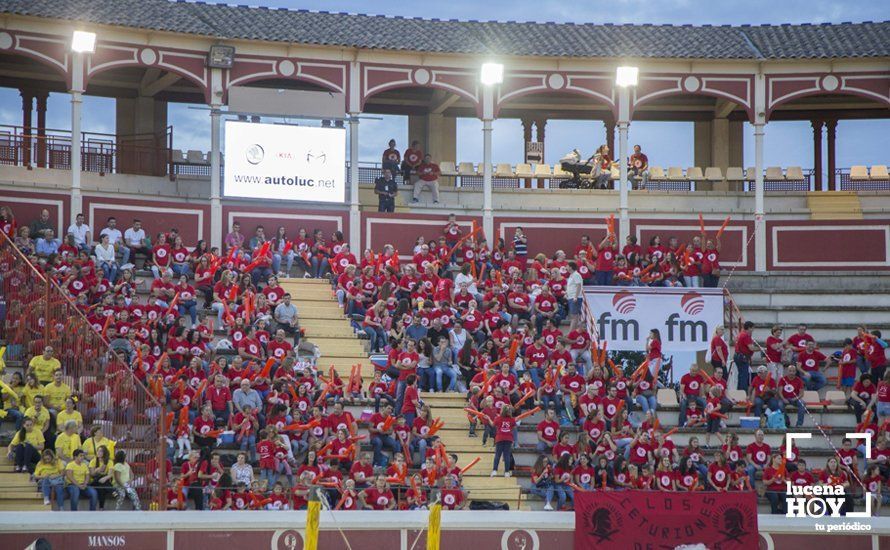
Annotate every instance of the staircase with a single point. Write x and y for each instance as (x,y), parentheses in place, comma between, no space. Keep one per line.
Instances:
(834,205)
(449,407)
(325,326)
(16,492)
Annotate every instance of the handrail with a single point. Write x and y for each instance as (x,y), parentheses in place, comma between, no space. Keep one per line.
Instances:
(59,322)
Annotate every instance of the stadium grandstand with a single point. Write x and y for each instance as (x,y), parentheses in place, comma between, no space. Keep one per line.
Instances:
(273,342)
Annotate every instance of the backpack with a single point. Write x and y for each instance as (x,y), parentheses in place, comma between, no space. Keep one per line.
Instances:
(775,420)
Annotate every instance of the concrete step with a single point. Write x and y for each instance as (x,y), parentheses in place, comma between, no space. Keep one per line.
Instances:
(15,506)
(829,281)
(324,311)
(313,333)
(840,299)
(793,315)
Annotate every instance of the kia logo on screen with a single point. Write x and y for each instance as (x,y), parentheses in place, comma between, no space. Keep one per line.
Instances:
(255,153)
(316,157)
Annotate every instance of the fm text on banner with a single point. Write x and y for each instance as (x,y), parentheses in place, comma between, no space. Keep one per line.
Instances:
(285,162)
(656,519)
(686,318)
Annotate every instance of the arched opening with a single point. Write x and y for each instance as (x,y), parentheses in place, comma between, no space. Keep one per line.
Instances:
(841,128)
(141,140)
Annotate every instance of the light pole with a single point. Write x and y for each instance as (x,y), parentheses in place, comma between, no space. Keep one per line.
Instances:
(625,77)
(82,42)
(491,75)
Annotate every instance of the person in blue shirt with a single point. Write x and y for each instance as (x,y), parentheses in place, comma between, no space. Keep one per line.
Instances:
(48,245)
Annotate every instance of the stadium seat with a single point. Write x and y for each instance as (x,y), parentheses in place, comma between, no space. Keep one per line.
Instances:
(614,173)
(794,173)
(750,173)
(542,171)
(675,173)
(858,173)
(503,170)
(558,172)
(656,173)
(714,173)
(524,171)
(879,172)
(737,395)
(836,397)
(694,173)
(734,173)
(810,397)
(196,157)
(177,155)
(466,169)
(446,167)
(667,398)
(774,173)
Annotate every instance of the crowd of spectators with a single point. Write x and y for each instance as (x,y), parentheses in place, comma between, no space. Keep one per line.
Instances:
(504,328)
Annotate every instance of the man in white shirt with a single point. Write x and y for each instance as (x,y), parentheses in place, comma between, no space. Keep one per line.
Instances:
(82,233)
(574,290)
(135,243)
(114,234)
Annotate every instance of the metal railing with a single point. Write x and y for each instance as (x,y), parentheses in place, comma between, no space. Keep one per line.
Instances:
(144,154)
(845,183)
(40,313)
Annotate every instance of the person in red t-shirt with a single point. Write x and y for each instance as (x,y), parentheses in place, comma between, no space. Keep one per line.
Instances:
(605,261)
(791,391)
(379,496)
(719,350)
(428,176)
(691,389)
(744,349)
(774,481)
(504,427)
(452,496)
(809,364)
(757,455)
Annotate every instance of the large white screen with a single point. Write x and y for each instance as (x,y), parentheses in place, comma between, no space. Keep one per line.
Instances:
(272,161)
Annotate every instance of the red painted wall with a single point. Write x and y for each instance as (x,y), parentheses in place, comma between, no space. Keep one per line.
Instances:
(26,209)
(547,235)
(402,230)
(270,217)
(191,219)
(828,245)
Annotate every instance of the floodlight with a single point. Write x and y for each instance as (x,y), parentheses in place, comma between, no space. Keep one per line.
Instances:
(492,73)
(627,76)
(83,42)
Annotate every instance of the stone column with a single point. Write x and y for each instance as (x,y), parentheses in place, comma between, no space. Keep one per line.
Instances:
(41,128)
(27,138)
(817,152)
(831,125)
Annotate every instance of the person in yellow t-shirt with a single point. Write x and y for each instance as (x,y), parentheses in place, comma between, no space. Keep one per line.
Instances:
(31,388)
(50,476)
(67,442)
(26,446)
(44,365)
(77,473)
(56,392)
(97,439)
(11,401)
(69,414)
(39,413)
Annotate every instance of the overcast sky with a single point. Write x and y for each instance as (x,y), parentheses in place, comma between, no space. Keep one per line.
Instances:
(667,143)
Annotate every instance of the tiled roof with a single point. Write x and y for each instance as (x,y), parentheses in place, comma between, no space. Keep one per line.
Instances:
(842,40)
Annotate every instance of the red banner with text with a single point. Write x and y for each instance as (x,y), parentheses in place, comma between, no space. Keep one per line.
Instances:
(652,519)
